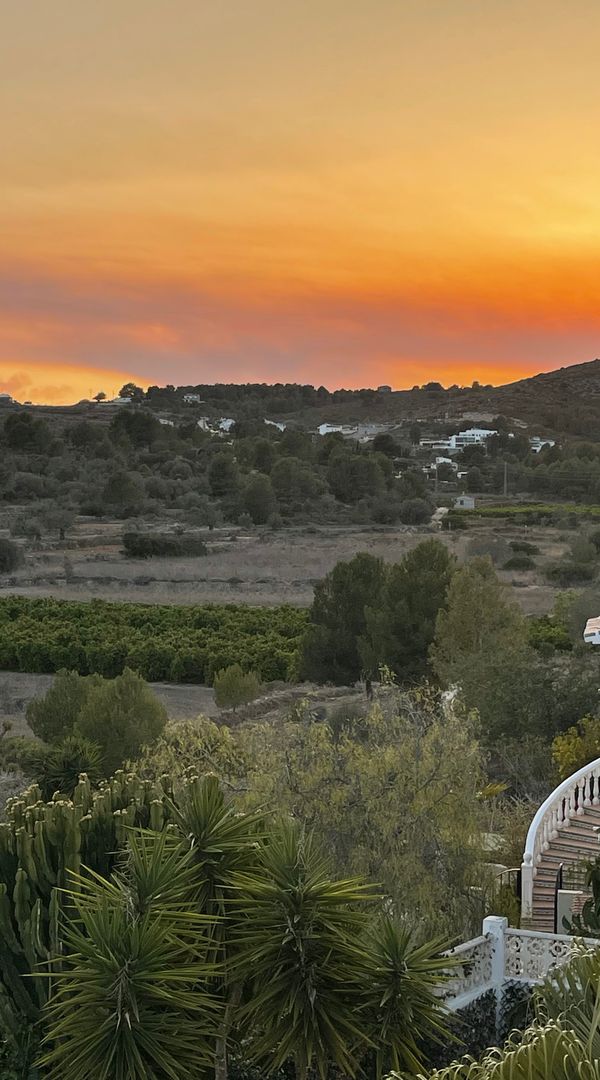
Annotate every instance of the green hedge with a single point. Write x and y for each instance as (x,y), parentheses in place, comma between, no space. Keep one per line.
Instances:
(164,643)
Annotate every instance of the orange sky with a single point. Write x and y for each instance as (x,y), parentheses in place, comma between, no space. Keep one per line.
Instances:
(329,191)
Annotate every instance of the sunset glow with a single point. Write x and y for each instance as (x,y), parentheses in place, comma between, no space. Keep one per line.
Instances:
(331,191)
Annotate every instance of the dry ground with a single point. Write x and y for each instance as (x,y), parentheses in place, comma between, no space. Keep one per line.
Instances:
(262,568)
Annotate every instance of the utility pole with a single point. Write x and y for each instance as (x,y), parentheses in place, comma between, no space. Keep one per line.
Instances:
(505,478)
(436,478)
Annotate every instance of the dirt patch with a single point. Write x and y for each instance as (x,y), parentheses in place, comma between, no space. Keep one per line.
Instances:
(263,569)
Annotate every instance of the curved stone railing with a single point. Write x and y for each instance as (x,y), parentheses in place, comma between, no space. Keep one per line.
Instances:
(567,801)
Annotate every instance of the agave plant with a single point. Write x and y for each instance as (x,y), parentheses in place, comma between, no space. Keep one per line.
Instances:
(303,953)
(132,1000)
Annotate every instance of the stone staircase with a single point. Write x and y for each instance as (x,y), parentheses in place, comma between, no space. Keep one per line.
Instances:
(562,832)
(575,843)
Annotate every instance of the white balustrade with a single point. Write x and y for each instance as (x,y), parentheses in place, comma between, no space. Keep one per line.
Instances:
(568,800)
(503,954)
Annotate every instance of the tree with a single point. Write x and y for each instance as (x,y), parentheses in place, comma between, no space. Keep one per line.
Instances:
(234,687)
(577,746)
(122,716)
(23,431)
(100,396)
(139,427)
(352,476)
(331,650)
(11,556)
(414,511)
(475,479)
(223,475)
(401,628)
(130,390)
(54,716)
(259,499)
(394,795)
(478,620)
(121,493)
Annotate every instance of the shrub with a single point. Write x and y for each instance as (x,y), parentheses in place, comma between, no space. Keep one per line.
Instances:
(122,716)
(525,547)
(149,545)
(58,767)
(235,687)
(11,556)
(569,573)
(55,715)
(414,512)
(519,562)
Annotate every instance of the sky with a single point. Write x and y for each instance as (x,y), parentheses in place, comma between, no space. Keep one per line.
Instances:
(340,192)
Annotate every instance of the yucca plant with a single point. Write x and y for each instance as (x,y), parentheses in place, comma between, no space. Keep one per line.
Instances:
(302,952)
(131,999)
(222,844)
(404,1005)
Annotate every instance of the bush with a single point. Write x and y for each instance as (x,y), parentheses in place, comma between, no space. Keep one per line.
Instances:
(525,547)
(57,768)
(122,716)
(11,556)
(235,687)
(55,715)
(153,545)
(569,573)
(414,512)
(494,546)
(519,562)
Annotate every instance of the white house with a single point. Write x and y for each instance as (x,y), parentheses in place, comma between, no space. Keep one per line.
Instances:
(469,437)
(536,443)
(591,634)
(464,502)
(192,399)
(167,423)
(226,423)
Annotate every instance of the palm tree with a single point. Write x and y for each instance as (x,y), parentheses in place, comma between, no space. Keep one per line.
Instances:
(132,1001)
(302,954)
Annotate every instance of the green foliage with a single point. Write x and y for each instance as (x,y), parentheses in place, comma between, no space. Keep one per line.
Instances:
(160,642)
(234,687)
(587,923)
(523,547)
(57,768)
(479,619)
(394,795)
(567,573)
(415,511)
(11,556)
(400,627)
(330,651)
(519,562)
(302,957)
(55,715)
(203,745)
(131,1000)
(577,746)
(121,493)
(547,630)
(121,715)
(146,545)
(259,499)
